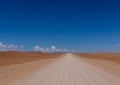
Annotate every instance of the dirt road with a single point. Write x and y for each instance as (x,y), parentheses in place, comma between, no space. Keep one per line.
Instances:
(67,70)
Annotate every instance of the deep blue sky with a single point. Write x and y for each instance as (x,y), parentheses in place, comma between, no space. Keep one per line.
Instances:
(84,25)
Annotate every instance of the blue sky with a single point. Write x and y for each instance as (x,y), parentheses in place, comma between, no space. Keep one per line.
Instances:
(83,25)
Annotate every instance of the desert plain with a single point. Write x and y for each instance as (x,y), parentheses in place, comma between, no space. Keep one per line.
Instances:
(36,68)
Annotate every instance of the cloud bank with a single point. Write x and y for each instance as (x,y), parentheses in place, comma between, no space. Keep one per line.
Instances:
(50,50)
(11,47)
(38,48)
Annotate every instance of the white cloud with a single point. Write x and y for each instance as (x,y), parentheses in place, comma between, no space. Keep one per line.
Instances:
(38,48)
(65,50)
(2,45)
(11,47)
(51,49)
(58,50)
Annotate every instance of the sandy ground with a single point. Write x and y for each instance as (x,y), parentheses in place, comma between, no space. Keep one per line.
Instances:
(109,62)
(68,69)
(14,57)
